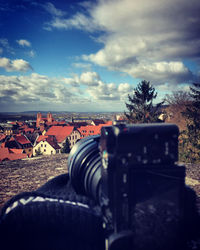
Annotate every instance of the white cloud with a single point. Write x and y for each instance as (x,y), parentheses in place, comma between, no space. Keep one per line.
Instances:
(31,53)
(90,78)
(104,91)
(14,65)
(118,53)
(5,44)
(74,81)
(79,21)
(124,88)
(97,89)
(84,66)
(34,88)
(23,43)
(163,72)
(62,95)
(50,8)
(142,38)
(86,78)
(1,50)
(75,93)
(20,65)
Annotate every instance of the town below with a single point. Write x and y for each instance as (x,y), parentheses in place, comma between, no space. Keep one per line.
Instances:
(32,134)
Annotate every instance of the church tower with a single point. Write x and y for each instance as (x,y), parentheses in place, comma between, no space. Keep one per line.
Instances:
(39,118)
(49,117)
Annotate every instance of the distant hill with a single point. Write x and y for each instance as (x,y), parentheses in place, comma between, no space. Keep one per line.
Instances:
(11,116)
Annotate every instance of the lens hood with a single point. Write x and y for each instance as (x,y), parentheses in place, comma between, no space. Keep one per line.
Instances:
(81,158)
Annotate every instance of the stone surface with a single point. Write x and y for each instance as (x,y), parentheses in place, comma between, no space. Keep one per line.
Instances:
(29,174)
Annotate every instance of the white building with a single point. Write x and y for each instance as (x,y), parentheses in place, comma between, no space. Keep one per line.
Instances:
(47,146)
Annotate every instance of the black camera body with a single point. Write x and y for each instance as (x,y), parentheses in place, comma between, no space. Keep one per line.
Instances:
(131,171)
(142,188)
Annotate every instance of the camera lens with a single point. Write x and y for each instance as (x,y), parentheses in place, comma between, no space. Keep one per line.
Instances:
(84,164)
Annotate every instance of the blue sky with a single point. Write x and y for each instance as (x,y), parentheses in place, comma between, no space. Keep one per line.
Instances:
(89,55)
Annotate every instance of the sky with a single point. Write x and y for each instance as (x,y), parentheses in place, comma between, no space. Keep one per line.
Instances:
(89,55)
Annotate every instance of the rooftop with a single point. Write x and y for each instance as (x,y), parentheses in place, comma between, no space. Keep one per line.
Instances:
(60,132)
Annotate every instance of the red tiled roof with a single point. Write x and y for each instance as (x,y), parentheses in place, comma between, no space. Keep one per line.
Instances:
(31,130)
(50,139)
(42,138)
(108,123)
(61,122)
(12,139)
(16,150)
(53,143)
(92,130)
(2,137)
(21,139)
(89,130)
(20,123)
(4,152)
(7,154)
(60,132)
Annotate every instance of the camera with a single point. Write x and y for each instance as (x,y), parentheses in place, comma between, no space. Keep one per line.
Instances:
(131,171)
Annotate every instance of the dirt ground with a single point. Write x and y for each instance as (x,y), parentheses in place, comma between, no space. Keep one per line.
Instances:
(29,174)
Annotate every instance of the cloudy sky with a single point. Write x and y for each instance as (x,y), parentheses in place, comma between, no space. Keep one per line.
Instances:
(88,55)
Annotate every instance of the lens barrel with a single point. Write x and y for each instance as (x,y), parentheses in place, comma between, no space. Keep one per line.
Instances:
(84,164)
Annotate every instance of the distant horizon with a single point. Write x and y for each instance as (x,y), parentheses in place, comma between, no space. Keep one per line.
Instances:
(50,111)
(67,111)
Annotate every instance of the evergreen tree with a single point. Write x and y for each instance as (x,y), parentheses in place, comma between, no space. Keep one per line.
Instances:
(191,136)
(66,147)
(140,106)
(38,152)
